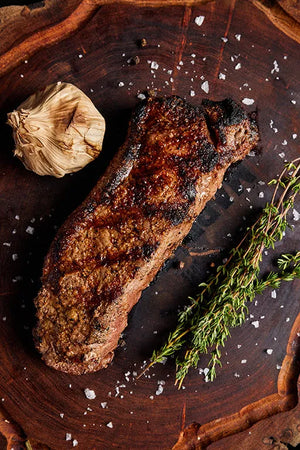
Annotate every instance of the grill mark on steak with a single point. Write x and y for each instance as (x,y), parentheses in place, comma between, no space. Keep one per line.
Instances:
(112,246)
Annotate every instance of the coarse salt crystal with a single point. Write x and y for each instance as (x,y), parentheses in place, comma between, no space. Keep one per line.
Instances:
(278,366)
(154,65)
(293,102)
(29,230)
(62,415)
(222,76)
(296,215)
(243,361)
(294,136)
(14,256)
(273,294)
(287,319)
(120,84)
(7,244)
(90,394)
(237,375)
(238,37)
(141,96)
(224,39)
(248,101)
(103,405)
(275,67)
(199,20)
(68,436)
(75,442)
(255,323)
(238,66)
(205,87)
(261,195)
(282,155)
(192,93)
(159,390)
(109,425)
(17,217)
(80,56)
(269,351)
(284,142)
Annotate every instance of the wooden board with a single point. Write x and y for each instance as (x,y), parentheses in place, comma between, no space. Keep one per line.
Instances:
(260,62)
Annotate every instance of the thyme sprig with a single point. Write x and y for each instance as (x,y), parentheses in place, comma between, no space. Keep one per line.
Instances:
(204,326)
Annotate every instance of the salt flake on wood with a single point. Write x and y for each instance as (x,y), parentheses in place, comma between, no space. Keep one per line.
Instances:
(29,230)
(248,101)
(275,67)
(199,20)
(296,215)
(205,87)
(90,394)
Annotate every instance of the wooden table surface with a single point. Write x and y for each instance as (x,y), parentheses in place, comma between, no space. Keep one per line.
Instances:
(242,51)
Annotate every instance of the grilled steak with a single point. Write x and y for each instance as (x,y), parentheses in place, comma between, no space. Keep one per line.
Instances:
(111,247)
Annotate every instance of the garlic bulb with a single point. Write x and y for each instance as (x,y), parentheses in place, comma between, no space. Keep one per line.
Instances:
(57,130)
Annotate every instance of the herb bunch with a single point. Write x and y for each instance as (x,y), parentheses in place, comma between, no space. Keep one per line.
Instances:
(204,326)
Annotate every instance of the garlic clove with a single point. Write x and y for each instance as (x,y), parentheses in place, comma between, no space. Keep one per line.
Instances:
(57,130)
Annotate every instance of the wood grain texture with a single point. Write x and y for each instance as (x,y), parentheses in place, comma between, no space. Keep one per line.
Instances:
(280,18)
(46,404)
(199,437)
(84,11)
(55,33)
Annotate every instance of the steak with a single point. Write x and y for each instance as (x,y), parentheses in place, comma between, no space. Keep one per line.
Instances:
(112,246)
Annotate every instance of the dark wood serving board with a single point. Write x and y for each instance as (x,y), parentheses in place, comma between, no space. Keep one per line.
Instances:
(257,51)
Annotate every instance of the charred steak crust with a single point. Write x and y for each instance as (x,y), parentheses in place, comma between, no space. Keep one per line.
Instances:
(111,247)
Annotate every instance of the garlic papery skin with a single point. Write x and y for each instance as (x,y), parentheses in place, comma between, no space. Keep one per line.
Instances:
(57,130)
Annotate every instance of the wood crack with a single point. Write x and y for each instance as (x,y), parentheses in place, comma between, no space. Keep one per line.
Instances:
(229,20)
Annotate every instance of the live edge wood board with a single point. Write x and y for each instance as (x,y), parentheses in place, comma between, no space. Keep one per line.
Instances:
(243,49)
